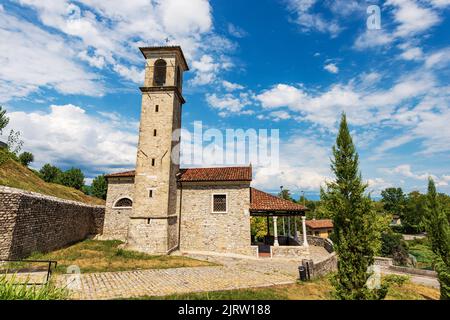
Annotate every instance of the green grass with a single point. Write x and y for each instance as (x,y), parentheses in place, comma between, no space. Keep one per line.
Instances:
(15,175)
(12,290)
(106,256)
(421,249)
(320,289)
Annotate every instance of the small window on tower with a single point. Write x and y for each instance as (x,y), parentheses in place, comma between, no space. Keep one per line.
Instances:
(154,133)
(150,193)
(219,204)
(153,162)
(156,108)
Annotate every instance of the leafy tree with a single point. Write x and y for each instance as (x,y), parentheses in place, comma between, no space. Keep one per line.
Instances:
(87,190)
(413,217)
(73,178)
(4,120)
(285,194)
(50,173)
(99,187)
(394,201)
(355,236)
(14,142)
(26,158)
(258,227)
(438,231)
(395,247)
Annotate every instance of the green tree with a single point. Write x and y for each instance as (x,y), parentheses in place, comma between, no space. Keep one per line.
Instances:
(4,120)
(439,233)
(413,217)
(50,173)
(356,236)
(26,158)
(99,187)
(258,227)
(73,178)
(394,201)
(285,194)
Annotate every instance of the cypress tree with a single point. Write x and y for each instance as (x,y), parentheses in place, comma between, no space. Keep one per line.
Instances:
(439,234)
(355,235)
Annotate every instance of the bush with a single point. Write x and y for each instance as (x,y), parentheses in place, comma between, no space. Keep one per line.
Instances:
(73,178)
(10,290)
(26,158)
(50,173)
(395,247)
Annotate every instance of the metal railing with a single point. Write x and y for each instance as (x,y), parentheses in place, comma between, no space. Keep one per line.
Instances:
(19,267)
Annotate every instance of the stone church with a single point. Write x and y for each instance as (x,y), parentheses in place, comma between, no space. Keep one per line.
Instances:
(159,207)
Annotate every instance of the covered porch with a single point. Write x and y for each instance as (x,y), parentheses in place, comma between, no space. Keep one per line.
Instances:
(284,221)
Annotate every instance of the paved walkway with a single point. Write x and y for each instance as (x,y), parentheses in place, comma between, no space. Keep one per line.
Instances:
(232,274)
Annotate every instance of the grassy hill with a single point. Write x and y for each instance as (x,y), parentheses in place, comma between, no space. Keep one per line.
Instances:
(15,175)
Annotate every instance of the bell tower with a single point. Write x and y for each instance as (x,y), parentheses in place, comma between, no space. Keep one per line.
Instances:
(153,225)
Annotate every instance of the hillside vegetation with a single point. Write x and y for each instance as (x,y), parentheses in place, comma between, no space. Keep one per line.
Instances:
(15,175)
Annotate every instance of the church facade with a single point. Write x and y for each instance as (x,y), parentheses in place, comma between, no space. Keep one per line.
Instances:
(159,207)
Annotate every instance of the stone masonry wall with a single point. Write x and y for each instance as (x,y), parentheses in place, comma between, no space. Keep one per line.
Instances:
(202,230)
(117,219)
(31,222)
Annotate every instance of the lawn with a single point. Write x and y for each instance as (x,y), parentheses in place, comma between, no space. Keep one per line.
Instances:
(105,256)
(319,289)
(421,249)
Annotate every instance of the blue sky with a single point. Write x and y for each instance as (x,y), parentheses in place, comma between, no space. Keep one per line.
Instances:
(70,72)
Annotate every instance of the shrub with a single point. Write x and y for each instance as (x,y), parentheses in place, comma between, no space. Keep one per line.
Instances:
(26,158)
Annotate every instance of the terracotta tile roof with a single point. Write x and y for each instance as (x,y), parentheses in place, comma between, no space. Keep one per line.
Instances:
(204,174)
(262,201)
(121,174)
(319,224)
(216,174)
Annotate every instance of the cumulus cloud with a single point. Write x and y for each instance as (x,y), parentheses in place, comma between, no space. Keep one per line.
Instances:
(66,135)
(228,103)
(45,60)
(331,67)
(74,36)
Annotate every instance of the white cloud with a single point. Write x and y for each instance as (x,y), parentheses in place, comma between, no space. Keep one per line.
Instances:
(411,17)
(229,86)
(331,67)
(45,60)
(296,173)
(414,53)
(308,20)
(106,34)
(280,115)
(373,38)
(229,104)
(66,135)
(236,31)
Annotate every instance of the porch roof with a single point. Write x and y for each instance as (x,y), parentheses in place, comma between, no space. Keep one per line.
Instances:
(262,203)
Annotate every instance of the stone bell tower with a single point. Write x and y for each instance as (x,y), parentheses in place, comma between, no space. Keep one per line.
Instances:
(153,225)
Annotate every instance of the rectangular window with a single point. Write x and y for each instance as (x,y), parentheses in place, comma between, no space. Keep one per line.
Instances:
(156,108)
(153,162)
(150,193)
(154,133)
(219,204)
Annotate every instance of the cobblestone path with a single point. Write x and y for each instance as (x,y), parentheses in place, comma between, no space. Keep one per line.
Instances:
(232,274)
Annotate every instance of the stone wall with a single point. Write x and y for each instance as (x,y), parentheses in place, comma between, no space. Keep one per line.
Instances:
(289,252)
(322,267)
(31,222)
(202,230)
(117,219)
